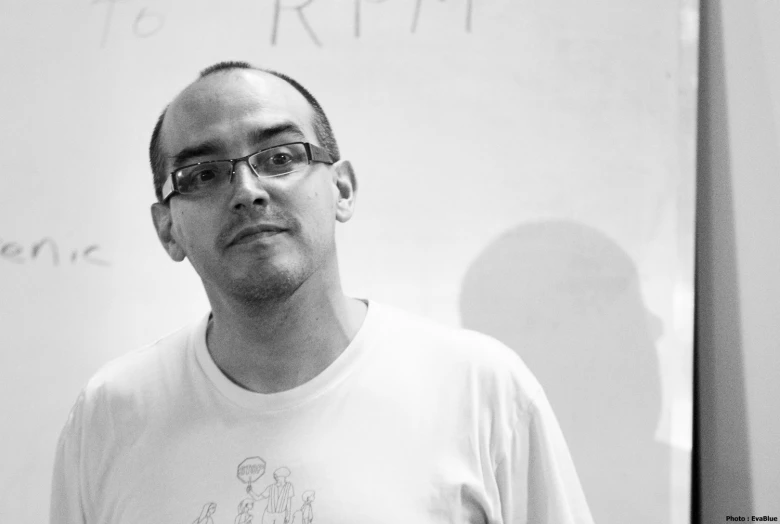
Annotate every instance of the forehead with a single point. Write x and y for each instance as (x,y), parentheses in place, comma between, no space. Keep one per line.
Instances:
(225,107)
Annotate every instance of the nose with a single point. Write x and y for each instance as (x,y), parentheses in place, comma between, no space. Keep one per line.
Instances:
(248,189)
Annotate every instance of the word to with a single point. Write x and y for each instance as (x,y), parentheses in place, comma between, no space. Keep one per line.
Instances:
(148,22)
(47,250)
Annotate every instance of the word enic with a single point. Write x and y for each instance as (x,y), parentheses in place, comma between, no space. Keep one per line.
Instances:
(47,250)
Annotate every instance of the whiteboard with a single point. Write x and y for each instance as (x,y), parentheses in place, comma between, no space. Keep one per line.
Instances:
(559,132)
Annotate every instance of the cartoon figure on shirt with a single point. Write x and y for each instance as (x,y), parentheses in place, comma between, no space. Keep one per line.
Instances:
(205,514)
(278,510)
(305,515)
(244,516)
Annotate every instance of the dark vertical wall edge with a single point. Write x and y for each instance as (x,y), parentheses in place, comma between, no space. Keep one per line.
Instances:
(695,456)
(696,488)
(721,477)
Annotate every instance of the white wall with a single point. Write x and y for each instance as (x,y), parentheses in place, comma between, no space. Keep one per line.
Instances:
(739,260)
(563,129)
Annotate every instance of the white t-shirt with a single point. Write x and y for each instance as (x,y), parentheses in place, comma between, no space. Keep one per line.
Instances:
(414,423)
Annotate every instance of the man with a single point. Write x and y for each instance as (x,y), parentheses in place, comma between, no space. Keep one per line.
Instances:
(279,495)
(388,417)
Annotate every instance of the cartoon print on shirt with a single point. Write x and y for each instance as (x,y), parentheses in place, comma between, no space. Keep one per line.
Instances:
(250,470)
(305,515)
(306,512)
(244,516)
(205,514)
(278,509)
(278,496)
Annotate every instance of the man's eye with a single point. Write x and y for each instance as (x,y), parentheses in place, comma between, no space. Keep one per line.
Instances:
(207,175)
(201,178)
(280,159)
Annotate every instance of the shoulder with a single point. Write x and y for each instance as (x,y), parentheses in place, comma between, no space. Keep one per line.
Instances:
(432,339)
(140,374)
(126,394)
(459,353)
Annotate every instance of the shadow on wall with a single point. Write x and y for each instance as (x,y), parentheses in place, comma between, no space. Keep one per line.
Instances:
(567,299)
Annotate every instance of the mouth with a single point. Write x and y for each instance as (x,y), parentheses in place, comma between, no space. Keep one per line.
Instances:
(255,233)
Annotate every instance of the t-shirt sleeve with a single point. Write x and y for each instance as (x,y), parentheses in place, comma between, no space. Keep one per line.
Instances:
(67,506)
(536,478)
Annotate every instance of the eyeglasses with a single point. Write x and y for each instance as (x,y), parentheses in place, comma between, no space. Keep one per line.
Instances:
(206,177)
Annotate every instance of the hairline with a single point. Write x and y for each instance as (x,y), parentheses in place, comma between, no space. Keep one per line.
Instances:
(318,121)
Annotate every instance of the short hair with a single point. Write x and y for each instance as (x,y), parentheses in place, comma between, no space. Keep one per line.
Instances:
(282,472)
(320,123)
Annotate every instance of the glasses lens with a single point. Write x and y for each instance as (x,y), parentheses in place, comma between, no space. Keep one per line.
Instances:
(203,177)
(279,160)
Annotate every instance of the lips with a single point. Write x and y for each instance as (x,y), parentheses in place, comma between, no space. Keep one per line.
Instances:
(248,234)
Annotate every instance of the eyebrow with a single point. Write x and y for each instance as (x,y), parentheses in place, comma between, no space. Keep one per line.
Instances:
(256,136)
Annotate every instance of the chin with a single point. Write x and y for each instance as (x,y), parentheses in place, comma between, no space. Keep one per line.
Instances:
(265,284)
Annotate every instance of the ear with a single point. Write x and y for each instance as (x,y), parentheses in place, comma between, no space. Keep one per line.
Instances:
(346,183)
(163,223)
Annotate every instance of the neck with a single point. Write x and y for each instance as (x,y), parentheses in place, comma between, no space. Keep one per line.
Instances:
(273,347)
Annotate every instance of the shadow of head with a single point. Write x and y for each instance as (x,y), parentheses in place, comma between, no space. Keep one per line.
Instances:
(567,299)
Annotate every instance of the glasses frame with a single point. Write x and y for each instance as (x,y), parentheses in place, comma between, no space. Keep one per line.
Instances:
(314,153)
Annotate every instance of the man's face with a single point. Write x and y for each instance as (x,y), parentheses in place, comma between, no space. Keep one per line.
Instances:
(230,115)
